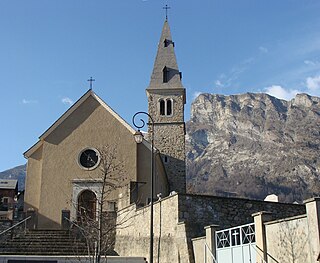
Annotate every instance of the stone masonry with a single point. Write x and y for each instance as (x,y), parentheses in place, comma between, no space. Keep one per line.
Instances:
(170,138)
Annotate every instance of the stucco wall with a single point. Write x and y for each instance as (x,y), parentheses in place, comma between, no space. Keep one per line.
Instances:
(33,181)
(144,175)
(313,218)
(170,236)
(287,240)
(198,245)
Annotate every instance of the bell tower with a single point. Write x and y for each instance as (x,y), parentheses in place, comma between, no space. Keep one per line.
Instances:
(166,100)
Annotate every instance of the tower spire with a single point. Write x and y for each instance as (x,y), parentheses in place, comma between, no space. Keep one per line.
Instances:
(165,72)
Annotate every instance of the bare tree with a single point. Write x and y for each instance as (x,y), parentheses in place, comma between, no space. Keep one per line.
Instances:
(98,227)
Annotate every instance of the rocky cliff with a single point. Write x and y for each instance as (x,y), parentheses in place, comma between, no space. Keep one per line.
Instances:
(252,145)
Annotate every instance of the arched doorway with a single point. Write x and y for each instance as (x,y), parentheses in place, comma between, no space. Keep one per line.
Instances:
(87,202)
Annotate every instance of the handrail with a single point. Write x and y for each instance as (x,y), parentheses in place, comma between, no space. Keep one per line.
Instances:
(257,251)
(268,255)
(74,224)
(19,223)
(206,247)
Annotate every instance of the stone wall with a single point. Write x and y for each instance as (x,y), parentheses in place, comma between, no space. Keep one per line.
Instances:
(181,217)
(173,157)
(201,210)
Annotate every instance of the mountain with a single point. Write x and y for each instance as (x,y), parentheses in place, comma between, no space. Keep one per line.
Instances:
(252,145)
(18,172)
(248,145)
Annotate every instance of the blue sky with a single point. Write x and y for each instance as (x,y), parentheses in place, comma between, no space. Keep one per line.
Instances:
(48,50)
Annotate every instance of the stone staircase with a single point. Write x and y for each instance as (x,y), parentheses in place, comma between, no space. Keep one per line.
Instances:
(43,242)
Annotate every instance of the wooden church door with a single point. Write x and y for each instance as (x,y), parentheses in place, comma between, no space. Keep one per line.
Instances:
(87,202)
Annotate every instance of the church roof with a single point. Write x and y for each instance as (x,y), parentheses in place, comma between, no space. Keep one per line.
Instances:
(77,104)
(166,74)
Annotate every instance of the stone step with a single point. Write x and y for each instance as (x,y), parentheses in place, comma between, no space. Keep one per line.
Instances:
(53,253)
(44,239)
(47,231)
(48,235)
(44,242)
(43,236)
(42,250)
(49,245)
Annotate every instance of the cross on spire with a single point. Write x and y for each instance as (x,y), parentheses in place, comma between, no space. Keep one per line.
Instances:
(91,80)
(166,8)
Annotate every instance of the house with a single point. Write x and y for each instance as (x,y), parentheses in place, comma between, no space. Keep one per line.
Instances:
(8,192)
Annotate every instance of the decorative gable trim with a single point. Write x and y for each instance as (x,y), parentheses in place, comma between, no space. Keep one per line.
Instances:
(32,149)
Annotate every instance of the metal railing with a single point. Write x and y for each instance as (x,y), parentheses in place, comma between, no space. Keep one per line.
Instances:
(258,254)
(258,249)
(73,223)
(17,224)
(82,233)
(212,258)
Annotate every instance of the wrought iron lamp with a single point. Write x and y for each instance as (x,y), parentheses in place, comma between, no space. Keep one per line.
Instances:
(138,136)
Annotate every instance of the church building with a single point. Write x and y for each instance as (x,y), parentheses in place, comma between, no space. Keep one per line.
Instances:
(64,166)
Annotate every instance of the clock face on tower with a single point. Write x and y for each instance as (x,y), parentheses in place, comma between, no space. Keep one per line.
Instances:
(89,158)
